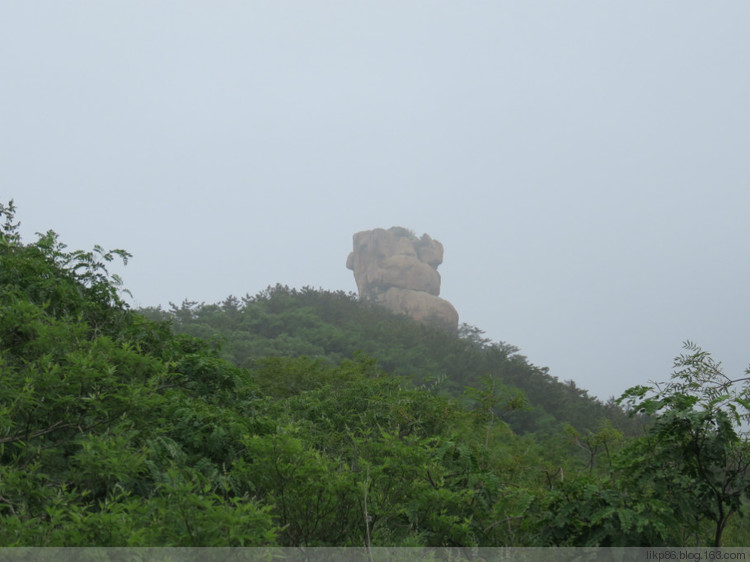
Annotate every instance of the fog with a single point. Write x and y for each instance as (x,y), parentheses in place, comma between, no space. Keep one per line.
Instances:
(585,164)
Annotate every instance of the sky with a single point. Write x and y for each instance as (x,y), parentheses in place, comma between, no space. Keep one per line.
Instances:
(585,164)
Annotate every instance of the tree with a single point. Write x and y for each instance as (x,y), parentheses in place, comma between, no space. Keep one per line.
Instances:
(694,453)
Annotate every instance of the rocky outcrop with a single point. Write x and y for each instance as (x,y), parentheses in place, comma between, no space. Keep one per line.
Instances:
(398,270)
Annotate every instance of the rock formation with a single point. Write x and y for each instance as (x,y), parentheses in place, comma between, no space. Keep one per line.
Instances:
(398,270)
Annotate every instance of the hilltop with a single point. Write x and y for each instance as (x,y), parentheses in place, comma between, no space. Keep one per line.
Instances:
(308,418)
(330,326)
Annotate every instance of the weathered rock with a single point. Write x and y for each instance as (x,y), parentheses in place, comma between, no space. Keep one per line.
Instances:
(429,251)
(421,306)
(399,270)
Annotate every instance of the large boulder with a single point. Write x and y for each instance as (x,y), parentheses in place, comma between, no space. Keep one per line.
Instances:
(421,306)
(398,270)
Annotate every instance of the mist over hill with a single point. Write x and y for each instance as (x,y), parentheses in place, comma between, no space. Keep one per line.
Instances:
(302,417)
(332,326)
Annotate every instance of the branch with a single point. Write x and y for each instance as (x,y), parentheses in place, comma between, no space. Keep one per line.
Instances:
(500,522)
(429,477)
(27,436)
(5,500)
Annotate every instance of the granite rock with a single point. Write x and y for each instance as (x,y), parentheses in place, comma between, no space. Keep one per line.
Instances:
(398,270)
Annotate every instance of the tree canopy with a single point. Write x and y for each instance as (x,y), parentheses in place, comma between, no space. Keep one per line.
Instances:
(307,418)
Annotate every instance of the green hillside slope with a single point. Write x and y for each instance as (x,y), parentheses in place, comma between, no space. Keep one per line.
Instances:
(331,326)
(333,424)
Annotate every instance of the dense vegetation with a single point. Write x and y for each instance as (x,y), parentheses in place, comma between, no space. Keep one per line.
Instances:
(308,418)
(333,326)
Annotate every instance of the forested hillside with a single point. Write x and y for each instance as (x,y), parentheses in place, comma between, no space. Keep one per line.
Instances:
(332,326)
(308,418)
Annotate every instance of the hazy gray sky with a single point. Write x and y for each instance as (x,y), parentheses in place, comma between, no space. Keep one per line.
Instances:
(586,164)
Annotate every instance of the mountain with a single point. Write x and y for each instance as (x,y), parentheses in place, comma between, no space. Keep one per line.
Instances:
(333,326)
(307,418)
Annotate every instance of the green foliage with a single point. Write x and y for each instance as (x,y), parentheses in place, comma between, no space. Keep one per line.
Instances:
(584,512)
(63,283)
(595,443)
(333,326)
(680,483)
(309,418)
(87,399)
(694,451)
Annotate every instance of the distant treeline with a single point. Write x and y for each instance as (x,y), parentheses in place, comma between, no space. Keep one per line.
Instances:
(307,418)
(332,326)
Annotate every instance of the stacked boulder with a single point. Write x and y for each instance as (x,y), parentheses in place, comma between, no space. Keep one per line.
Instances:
(398,270)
